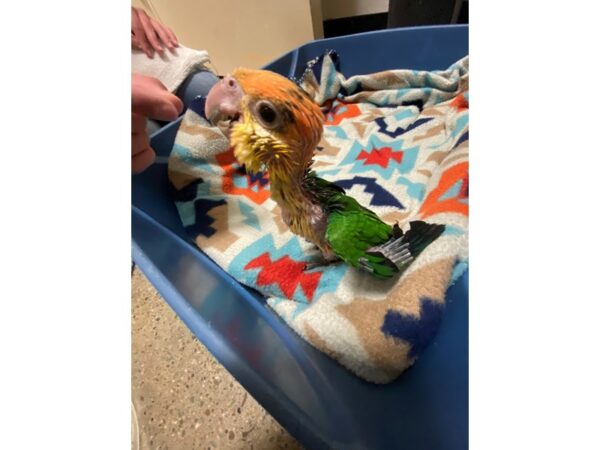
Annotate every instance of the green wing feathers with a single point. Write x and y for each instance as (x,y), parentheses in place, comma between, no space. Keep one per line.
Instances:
(352,233)
(360,238)
(352,230)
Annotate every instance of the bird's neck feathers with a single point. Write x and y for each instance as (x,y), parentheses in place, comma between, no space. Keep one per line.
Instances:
(299,209)
(287,186)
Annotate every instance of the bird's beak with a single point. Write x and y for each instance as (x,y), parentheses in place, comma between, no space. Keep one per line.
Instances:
(224,101)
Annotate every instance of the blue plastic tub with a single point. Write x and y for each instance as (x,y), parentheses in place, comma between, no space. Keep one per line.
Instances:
(318,401)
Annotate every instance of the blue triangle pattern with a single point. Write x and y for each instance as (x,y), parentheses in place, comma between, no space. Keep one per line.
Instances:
(381,197)
(417,331)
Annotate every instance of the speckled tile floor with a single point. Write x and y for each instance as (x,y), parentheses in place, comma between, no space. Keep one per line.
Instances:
(182,397)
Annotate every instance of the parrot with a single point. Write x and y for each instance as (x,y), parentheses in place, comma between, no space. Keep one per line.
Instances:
(273,124)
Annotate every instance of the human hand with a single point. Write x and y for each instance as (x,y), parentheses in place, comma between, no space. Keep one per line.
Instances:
(149,99)
(150,35)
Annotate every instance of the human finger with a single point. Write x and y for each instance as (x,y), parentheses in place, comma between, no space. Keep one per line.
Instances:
(150,98)
(139,35)
(142,161)
(139,143)
(172,36)
(163,107)
(138,123)
(149,31)
(160,30)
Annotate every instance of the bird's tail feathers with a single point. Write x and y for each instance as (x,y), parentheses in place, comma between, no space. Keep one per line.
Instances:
(401,250)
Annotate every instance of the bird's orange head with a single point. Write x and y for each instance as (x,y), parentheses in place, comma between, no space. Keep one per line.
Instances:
(273,122)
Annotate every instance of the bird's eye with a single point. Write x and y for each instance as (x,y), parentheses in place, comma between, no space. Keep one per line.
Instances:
(267,114)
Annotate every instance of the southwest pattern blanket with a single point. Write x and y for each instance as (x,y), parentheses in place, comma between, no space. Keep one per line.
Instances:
(397,141)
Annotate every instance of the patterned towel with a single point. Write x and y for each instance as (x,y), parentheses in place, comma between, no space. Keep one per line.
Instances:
(397,141)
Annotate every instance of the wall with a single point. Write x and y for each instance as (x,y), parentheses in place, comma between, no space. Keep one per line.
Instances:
(236,33)
(335,9)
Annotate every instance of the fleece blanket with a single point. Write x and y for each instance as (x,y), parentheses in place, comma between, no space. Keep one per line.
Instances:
(397,141)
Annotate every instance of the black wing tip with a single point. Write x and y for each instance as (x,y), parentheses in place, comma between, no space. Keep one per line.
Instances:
(421,234)
(433,230)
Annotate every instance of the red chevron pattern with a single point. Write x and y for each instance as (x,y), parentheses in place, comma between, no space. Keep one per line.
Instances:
(380,156)
(286,273)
